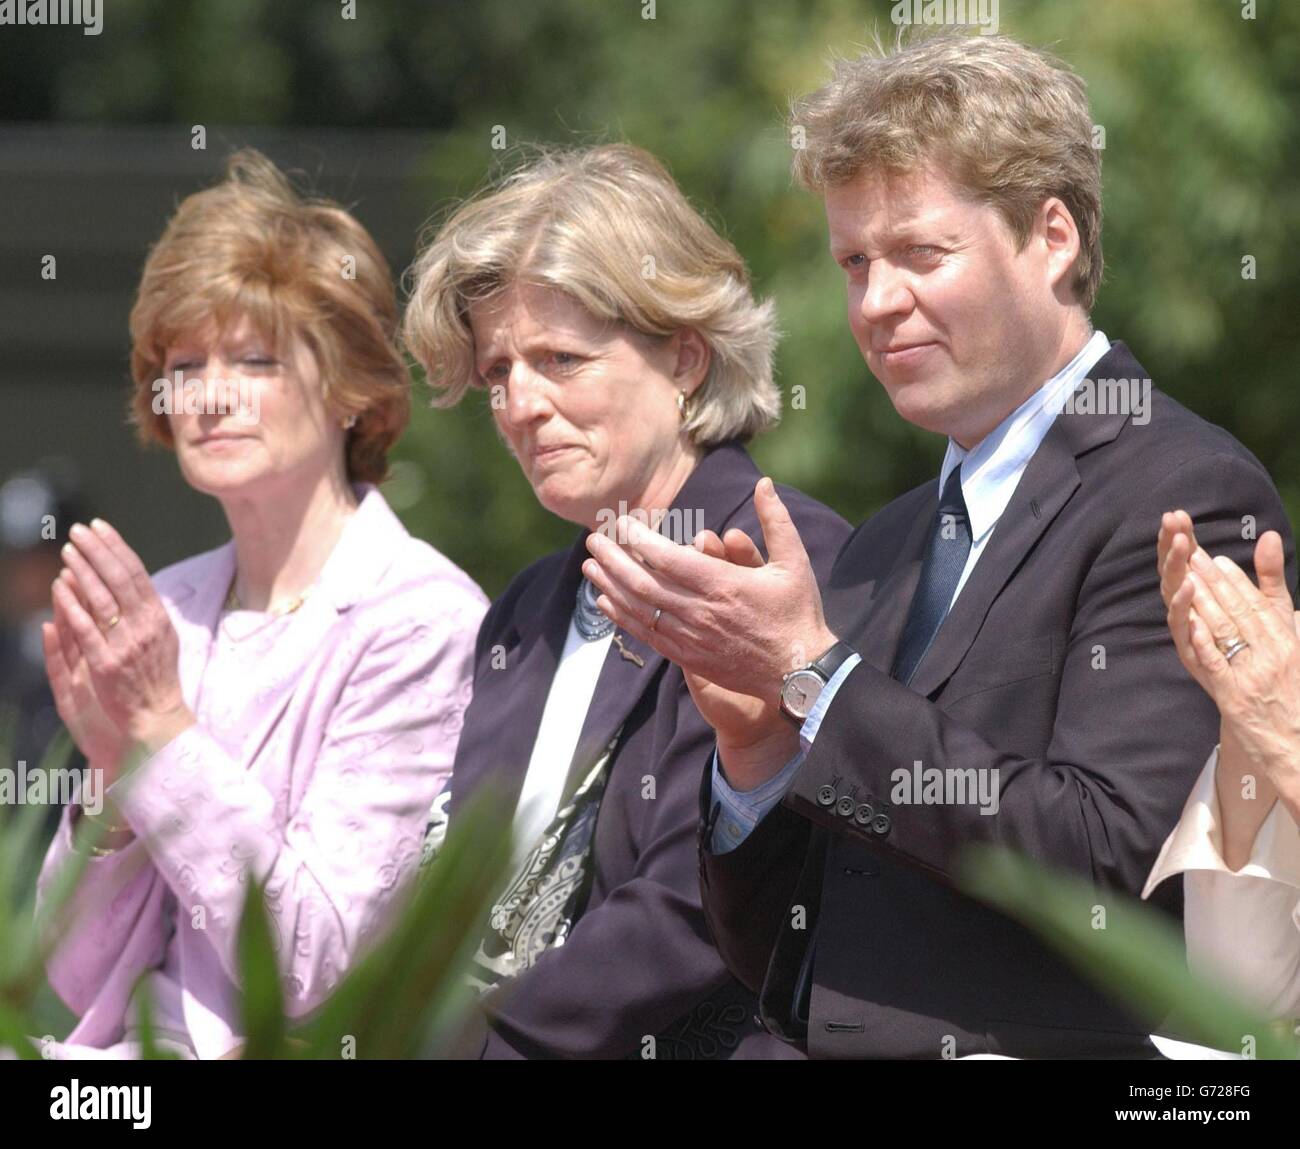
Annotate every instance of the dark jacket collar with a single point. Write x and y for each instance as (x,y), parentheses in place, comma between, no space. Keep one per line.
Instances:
(722,481)
(1048,483)
(720,484)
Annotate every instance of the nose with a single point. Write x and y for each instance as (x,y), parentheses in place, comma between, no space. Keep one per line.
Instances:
(526,398)
(215,385)
(215,379)
(887,293)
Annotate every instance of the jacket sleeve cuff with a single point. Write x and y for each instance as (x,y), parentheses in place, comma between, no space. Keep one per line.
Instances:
(193,806)
(741,810)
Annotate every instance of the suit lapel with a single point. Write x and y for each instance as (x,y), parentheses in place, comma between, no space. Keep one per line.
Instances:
(1048,483)
(722,481)
(621,684)
(194,606)
(364,552)
(1046,486)
(495,750)
(876,632)
(516,698)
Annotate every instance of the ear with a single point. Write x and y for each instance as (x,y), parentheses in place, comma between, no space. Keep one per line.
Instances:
(1056,230)
(693,356)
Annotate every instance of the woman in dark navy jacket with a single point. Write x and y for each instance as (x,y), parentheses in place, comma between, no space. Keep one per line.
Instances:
(626,362)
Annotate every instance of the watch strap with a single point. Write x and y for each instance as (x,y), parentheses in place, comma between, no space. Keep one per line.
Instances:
(833,659)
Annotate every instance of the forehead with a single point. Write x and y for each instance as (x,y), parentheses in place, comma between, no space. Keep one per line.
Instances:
(878,206)
(531,312)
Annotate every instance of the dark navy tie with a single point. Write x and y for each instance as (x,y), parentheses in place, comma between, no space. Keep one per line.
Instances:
(945,559)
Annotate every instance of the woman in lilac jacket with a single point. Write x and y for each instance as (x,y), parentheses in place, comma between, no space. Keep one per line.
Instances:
(285,707)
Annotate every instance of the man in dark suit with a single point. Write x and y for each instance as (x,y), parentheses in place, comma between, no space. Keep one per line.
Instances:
(989,661)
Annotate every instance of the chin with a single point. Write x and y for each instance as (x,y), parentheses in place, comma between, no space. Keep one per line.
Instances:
(927,411)
(218,480)
(571,510)
(564,501)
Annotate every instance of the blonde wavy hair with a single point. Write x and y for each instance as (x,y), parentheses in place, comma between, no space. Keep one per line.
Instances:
(252,247)
(1008,123)
(608,226)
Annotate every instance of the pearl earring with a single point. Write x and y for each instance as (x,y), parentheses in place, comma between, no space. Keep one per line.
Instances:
(349,423)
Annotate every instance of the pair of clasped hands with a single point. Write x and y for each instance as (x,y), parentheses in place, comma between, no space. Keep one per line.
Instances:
(1240,642)
(736,624)
(111,652)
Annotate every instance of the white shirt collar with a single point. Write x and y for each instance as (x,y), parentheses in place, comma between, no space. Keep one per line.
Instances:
(991,471)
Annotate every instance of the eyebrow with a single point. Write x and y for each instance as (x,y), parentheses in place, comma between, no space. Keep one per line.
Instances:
(486,355)
(251,342)
(913,230)
(544,340)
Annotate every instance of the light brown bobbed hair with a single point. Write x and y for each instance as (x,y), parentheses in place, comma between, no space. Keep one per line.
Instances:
(608,226)
(251,246)
(1009,124)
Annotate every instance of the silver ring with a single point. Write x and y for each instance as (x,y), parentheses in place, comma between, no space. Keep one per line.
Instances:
(654,620)
(1234,648)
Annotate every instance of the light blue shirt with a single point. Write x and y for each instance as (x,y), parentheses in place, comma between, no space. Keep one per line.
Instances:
(990,473)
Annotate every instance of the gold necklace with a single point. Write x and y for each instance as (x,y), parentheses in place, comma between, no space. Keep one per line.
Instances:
(232,602)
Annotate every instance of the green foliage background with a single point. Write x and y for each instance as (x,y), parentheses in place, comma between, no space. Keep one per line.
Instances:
(1199,107)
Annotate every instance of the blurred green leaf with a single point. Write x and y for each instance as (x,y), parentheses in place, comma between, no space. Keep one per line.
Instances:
(407,997)
(1138,956)
(143,1004)
(262,1001)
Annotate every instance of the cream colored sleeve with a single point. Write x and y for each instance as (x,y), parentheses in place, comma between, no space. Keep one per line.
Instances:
(1242,927)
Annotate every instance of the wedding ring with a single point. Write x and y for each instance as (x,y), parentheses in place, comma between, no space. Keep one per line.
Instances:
(1234,648)
(112,622)
(654,621)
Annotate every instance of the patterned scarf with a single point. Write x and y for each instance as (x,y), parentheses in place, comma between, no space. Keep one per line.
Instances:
(549,890)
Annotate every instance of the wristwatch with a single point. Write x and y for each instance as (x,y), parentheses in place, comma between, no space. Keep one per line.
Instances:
(801,688)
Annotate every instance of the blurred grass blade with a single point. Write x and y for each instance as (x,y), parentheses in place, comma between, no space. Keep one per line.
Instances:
(13,1033)
(1138,956)
(259,976)
(22,957)
(411,985)
(23,831)
(27,935)
(143,1002)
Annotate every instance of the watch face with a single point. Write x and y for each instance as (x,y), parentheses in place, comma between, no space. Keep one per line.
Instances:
(800,692)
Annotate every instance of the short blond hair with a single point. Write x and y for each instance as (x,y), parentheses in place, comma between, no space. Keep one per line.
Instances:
(609,227)
(1007,123)
(252,247)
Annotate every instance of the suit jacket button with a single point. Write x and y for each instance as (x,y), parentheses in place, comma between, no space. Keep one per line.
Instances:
(880,823)
(863,814)
(844,807)
(826,796)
